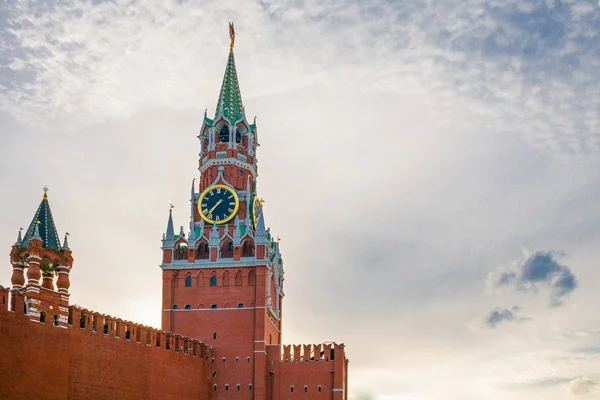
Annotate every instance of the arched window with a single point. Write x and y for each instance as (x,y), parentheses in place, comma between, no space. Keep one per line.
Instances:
(188,280)
(215,387)
(238,278)
(227,249)
(319,388)
(238,386)
(213,278)
(250,387)
(224,134)
(248,248)
(291,388)
(188,307)
(226,387)
(42,317)
(181,252)
(56,320)
(251,278)
(202,251)
(305,388)
(238,136)
(226,278)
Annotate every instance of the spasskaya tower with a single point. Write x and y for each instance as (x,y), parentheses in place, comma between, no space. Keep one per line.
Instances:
(223,276)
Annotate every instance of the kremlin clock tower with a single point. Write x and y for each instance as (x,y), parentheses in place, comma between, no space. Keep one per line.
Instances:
(223,277)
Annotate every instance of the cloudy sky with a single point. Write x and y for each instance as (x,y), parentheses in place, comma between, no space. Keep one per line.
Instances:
(432,168)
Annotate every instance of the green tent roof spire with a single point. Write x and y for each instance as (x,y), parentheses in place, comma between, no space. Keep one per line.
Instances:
(42,225)
(230,99)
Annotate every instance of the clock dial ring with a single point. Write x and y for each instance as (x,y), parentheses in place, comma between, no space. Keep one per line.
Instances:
(218,204)
(256,207)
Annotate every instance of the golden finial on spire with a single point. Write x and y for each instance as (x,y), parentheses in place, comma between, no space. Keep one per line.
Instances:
(38,222)
(45,192)
(231,34)
(171,206)
(67,233)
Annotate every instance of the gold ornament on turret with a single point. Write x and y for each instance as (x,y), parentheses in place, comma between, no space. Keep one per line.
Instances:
(231,35)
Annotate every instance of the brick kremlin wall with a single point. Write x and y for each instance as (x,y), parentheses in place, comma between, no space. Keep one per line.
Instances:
(106,359)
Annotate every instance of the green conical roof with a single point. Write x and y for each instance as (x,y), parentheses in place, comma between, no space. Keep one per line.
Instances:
(230,99)
(46,228)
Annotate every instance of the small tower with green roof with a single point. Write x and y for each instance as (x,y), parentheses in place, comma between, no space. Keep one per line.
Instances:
(40,253)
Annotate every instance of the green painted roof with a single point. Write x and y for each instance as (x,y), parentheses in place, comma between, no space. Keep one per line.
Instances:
(46,227)
(230,98)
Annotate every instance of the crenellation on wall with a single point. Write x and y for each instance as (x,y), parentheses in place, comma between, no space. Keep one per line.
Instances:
(93,322)
(311,352)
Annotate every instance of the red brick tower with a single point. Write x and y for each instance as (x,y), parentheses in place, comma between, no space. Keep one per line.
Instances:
(41,253)
(223,283)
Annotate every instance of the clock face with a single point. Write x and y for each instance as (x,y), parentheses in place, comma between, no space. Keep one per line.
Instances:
(256,206)
(218,204)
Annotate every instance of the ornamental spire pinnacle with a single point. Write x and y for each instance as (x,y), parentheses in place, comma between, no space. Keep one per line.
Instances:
(170,234)
(230,99)
(42,226)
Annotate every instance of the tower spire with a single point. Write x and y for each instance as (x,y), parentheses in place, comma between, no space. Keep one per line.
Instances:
(170,234)
(42,225)
(230,99)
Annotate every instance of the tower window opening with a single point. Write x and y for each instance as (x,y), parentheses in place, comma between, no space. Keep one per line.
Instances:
(237,359)
(319,388)
(82,321)
(248,359)
(203,251)
(188,307)
(227,249)
(213,306)
(105,330)
(175,307)
(224,134)
(238,136)
(226,387)
(127,334)
(56,320)
(212,360)
(241,172)
(42,317)
(240,305)
(223,359)
(213,279)
(291,388)
(250,387)
(305,388)
(248,248)
(215,338)
(214,374)
(188,281)
(215,387)
(238,386)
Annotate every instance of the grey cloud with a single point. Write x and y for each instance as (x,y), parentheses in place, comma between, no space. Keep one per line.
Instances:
(541,268)
(498,315)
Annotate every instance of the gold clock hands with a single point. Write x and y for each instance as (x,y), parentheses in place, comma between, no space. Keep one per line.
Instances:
(215,206)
